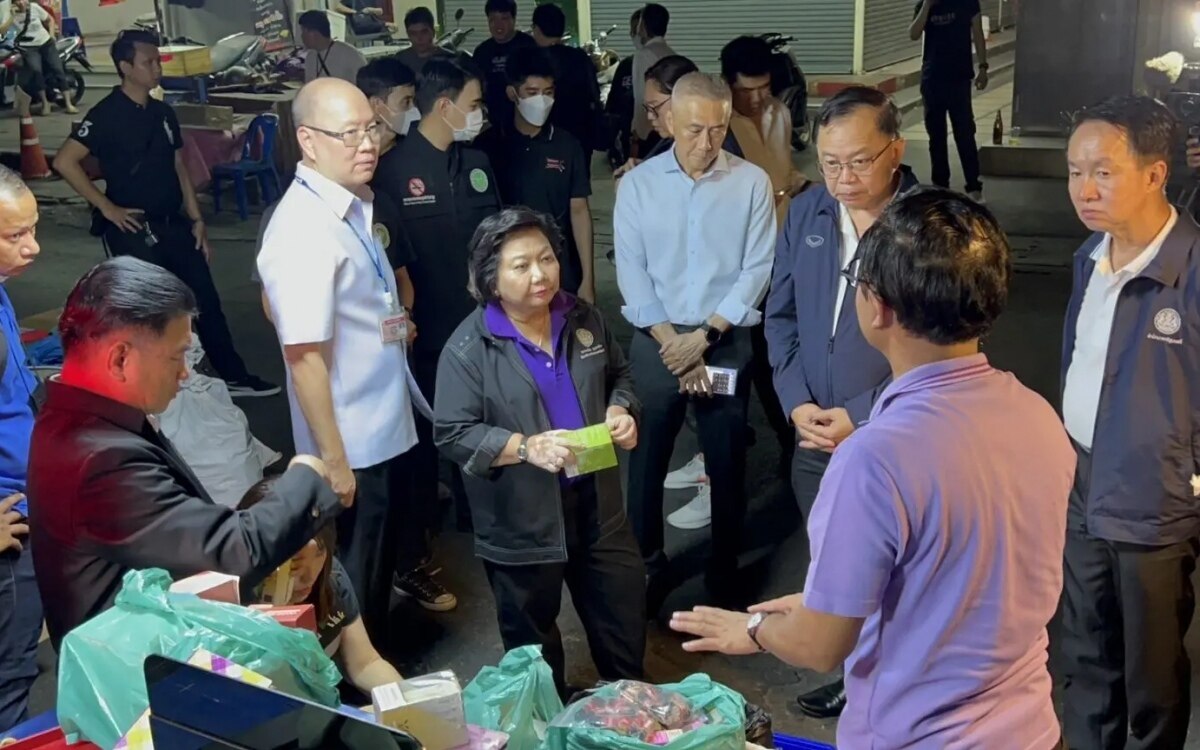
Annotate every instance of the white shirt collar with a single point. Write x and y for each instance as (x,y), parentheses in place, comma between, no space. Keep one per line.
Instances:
(1102,255)
(338,198)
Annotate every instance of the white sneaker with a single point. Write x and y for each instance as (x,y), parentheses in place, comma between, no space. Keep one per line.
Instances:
(977,196)
(690,474)
(695,515)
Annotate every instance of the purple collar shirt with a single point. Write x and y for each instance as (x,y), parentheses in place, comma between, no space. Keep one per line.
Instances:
(551,374)
(941,523)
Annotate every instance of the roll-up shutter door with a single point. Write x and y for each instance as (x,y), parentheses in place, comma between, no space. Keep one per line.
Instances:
(885,33)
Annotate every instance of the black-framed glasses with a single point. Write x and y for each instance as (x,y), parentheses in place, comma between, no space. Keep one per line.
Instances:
(861,166)
(354,137)
(652,109)
(850,273)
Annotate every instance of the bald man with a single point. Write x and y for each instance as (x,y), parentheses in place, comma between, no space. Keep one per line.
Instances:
(333,300)
(694,231)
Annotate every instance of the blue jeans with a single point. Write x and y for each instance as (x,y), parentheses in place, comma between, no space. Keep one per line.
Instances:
(20,629)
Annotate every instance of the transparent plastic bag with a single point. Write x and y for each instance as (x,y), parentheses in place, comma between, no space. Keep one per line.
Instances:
(696,714)
(101,686)
(516,697)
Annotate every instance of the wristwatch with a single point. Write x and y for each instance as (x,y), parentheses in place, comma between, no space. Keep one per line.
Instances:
(756,621)
(712,334)
(523,450)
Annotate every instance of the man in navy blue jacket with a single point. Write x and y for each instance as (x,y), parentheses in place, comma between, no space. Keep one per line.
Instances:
(1131,403)
(20,606)
(826,373)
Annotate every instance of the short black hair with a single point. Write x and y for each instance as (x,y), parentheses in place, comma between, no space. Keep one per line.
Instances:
(443,77)
(941,262)
(489,239)
(531,62)
(550,20)
(655,18)
(747,55)
(419,15)
(500,6)
(124,47)
(848,100)
(315,20)
(635,16)
(1154,132)
(378,77)
(670,69)
(122,293)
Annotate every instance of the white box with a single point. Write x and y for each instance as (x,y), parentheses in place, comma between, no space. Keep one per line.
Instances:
(429,708)
(215,587)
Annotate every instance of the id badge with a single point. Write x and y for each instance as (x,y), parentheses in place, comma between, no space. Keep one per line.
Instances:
(394,328)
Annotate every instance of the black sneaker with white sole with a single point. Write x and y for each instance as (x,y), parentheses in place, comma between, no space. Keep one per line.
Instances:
(429,593)
(251,387)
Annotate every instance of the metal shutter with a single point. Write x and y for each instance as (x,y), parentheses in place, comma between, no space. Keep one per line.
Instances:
(885,33)
(824,29)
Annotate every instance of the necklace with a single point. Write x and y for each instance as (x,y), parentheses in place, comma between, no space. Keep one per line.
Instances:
(542,335)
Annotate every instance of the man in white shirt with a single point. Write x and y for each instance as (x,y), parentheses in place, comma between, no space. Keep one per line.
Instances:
(336,310)
(1131,404)
(43,70)
(652,30)
(695,236)
(326,58)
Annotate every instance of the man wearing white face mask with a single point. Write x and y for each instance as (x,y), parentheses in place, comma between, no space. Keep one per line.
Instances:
(543,166)
(443,188)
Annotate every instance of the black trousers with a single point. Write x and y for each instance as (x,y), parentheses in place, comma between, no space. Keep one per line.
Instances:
(176,252)
(808,468)
(607,582)
(721,422)
(764,386)
(20,629)
(43,69)
(951,98)
(1126,609)
(367,532)
(427,472)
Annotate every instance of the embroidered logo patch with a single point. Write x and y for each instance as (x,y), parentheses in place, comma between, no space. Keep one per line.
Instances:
(557,165)
(1167,321)
(479,180)
(814,240)
(416,187)
(382,235)
(585,337)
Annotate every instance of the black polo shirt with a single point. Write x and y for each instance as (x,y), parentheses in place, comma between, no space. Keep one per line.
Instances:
(545,172)
(576,96)
(136,147)
(442,196)
(491,58)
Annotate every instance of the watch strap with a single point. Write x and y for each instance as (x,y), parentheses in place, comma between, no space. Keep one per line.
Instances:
(756,622)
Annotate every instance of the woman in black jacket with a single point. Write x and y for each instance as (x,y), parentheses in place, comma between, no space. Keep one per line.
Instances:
(530,363)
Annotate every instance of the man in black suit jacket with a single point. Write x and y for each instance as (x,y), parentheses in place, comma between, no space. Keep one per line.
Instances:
(108,492)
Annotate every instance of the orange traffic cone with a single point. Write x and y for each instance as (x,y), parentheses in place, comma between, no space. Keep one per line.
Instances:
(33,159)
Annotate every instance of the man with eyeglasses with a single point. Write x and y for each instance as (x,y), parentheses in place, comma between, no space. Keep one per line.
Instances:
(826,374)
(338,315)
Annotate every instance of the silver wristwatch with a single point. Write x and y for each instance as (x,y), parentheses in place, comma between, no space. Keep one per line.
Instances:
(755,622)
(523,450)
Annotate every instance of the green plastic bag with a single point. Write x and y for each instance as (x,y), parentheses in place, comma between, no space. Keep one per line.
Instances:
(101,686)
(613,717)
(517,697)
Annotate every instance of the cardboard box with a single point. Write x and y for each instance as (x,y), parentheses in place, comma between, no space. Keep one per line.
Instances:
(593,449)
(208,116)
(215,587)
(429,708)
(183,60)
(299,616)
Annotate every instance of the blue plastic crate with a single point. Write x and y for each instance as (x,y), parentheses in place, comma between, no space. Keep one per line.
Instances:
(787,742)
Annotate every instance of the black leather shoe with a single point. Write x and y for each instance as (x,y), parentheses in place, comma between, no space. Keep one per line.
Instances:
(826,702)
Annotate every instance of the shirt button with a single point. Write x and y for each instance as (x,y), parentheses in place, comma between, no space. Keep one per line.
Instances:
(549,364)
(316,513)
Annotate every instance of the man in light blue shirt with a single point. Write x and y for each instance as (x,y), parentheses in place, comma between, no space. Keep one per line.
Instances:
(695,236)
(20,605)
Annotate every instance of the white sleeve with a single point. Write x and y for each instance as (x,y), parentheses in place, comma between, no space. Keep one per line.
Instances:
(299,269)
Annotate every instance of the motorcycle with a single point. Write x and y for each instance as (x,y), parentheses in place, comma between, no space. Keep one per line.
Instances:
(789,86)
(452,41)
(236,59)
(604,60)
(70,50)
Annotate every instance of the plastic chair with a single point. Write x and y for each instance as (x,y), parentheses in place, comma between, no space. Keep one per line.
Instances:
(264,126)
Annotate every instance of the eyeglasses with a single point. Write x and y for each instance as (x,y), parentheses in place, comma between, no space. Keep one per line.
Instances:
(652,109)
(860,167)
(352,138)
(850,274)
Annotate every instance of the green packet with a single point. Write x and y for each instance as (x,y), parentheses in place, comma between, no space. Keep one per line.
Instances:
(593,449)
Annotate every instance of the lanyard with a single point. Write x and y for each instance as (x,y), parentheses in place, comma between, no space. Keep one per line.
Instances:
(368,244)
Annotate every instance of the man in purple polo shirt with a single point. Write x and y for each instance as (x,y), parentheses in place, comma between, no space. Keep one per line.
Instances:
(937,532)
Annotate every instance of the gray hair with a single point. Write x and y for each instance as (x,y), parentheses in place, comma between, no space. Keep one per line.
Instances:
(703,86)
(11,184)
